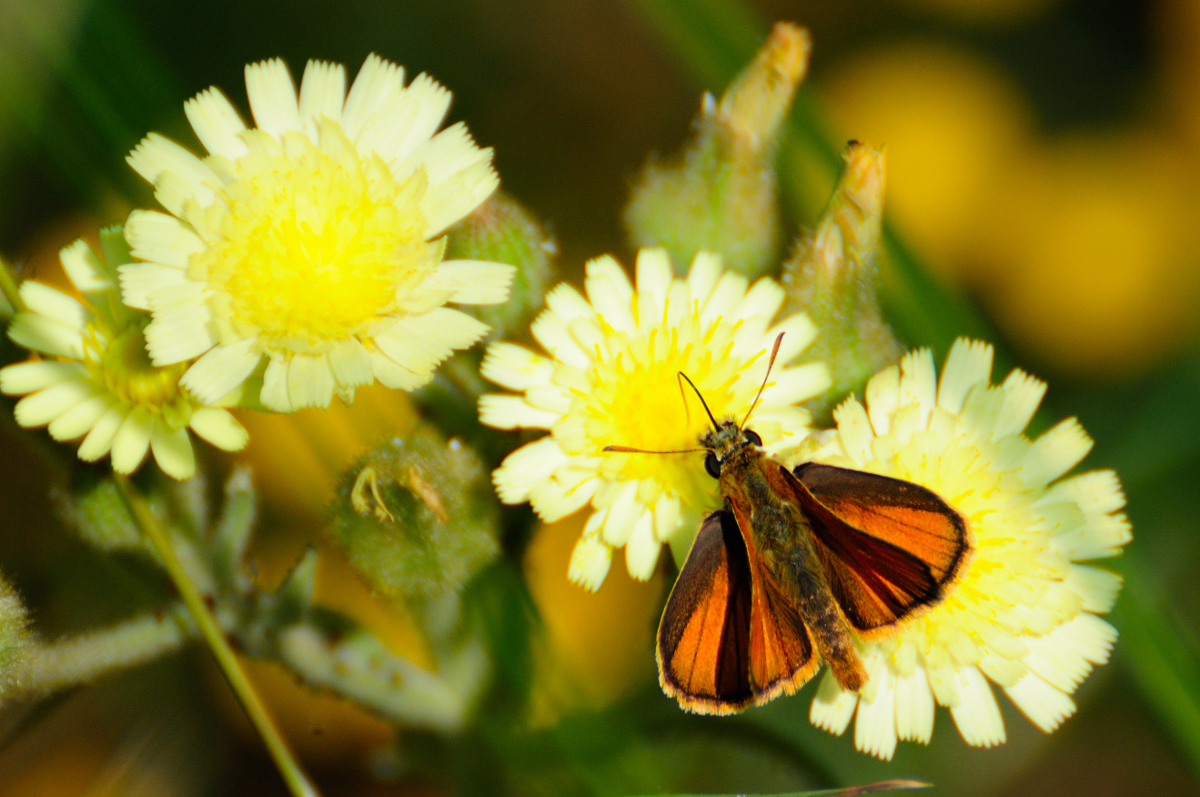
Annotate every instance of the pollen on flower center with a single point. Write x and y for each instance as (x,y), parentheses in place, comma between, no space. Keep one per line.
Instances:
(637,400)
(316,243)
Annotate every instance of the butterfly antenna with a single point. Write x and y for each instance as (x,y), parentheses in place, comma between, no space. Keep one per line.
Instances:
(703,403)
(687,412)
(770,363)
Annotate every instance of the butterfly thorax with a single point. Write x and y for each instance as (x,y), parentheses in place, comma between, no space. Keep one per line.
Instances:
(723,441)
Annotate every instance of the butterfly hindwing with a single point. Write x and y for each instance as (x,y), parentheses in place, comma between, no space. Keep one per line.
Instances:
(704,637)
(728,639)
(781,648)
(888,545)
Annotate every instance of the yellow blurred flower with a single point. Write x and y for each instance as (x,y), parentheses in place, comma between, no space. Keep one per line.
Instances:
(1090,258)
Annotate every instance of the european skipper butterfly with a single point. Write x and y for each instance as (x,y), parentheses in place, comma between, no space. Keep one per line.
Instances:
(796,564)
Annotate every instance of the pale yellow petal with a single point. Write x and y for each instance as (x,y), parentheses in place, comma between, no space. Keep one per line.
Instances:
(216,123)
(132,441)
(220,428)
(172,450)
(272,96)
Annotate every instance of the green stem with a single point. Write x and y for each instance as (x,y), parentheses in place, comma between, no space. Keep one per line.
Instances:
(289,768)
(88,656)
(8,286)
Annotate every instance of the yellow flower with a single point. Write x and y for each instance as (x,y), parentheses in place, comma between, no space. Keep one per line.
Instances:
(610,379)
(99,381)
(314,239)
(1023,611)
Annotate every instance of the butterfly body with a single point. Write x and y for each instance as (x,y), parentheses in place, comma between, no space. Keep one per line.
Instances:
(757,492)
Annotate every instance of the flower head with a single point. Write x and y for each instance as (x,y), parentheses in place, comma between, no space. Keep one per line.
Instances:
(1022,613)
(611,379)
(313,240)
(95,379)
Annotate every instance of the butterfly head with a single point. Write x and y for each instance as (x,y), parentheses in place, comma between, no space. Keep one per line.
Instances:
(724,441)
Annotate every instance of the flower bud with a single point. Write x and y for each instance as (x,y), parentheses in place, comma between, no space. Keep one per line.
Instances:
(502,231)
(417,516)
(720,194)
(833,276)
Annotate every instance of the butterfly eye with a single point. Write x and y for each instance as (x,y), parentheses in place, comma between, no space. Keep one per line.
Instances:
(753,437)
(712,465)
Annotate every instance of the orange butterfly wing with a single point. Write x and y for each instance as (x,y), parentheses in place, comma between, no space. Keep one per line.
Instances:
(888,545)
(704,636)
(727,640)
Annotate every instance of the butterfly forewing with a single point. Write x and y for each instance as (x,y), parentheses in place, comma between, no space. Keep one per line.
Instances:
(704,637)
(888,545)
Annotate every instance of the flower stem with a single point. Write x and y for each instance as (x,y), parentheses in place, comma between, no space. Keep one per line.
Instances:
(289,768)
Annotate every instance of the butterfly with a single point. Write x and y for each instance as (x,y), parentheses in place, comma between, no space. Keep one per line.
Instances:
(796,565)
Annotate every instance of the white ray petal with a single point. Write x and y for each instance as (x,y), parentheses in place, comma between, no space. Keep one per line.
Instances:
(53,303)
(590,560)
(220,370)
(217,123)
(472,281)
(1045,706)
(322,94)
(525,468)
(376,83)
(515,367)
(40,408)
(977,715)
(968,364)
(80,419)
(84,268)
(172,450)
(132,441)
(833,707)
(272,95)
(100,438)
(46,335)
(220,428)
(643,548)
(27,377)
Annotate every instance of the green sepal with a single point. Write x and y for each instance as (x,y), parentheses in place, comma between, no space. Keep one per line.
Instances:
(417,517)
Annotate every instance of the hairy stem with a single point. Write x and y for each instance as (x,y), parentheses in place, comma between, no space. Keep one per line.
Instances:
(298,783)
(88,656)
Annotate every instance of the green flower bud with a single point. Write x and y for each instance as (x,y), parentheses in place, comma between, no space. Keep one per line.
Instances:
(417,516)
(15,639)
(720,193)
(833,276)
(503,231)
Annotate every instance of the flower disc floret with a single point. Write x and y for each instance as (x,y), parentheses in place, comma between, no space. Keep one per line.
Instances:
(314,240)
(94,379)
(609,376)
(1023,611)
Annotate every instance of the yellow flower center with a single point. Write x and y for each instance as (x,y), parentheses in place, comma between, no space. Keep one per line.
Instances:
(636,401)
(316,243)
(126,372)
